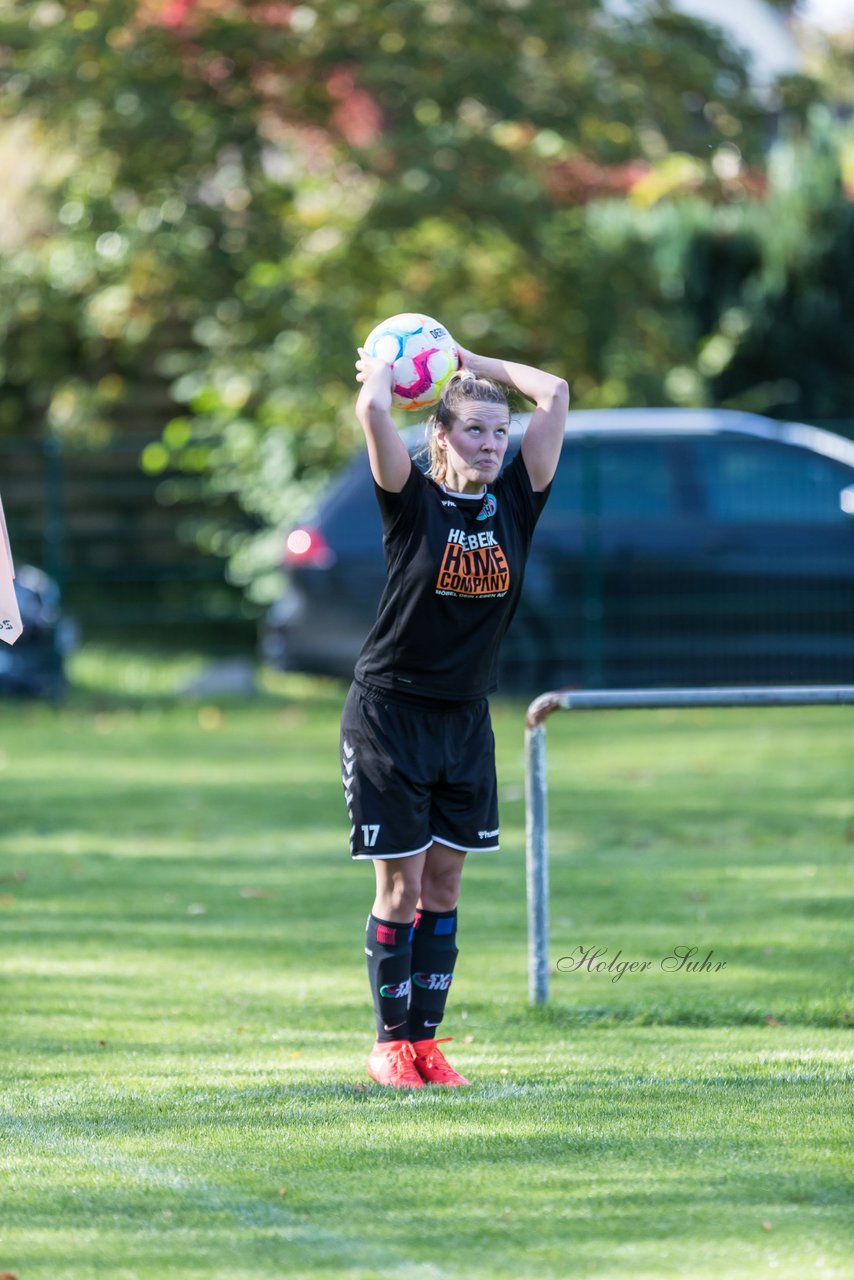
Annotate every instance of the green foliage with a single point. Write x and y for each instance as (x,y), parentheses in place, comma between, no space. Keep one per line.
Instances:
(746,304)
(796,314)
(239,191)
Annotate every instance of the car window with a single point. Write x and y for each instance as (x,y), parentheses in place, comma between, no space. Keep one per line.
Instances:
(761,481)
(618,478)
(636,479)
(565,496)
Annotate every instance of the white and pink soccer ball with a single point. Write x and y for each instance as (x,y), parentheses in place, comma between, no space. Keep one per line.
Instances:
(422,354)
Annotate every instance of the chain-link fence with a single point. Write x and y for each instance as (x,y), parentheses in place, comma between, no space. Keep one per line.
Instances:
(123,555)
(716,559)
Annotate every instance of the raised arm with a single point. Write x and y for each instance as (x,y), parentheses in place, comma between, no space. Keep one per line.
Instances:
(389,456)
(541,444)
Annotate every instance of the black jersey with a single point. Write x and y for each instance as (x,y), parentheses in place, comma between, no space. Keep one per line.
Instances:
(455,568)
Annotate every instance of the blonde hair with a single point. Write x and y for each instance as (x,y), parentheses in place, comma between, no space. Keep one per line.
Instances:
(462,385)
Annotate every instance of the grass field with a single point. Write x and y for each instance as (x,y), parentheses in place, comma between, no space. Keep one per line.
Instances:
(186,1016)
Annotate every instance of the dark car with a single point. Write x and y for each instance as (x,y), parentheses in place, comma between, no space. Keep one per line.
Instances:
(34,666)
(678,547)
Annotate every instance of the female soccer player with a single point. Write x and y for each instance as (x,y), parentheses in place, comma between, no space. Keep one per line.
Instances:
(417,749)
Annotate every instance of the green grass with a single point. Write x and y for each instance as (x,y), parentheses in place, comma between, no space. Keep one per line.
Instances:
(185,1013)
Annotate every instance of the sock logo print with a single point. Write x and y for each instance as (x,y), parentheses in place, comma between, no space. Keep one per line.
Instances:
(396,990)
(433,981)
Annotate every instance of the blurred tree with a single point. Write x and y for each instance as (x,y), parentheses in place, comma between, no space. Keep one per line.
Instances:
(792,354)
(245,187)
(746,305)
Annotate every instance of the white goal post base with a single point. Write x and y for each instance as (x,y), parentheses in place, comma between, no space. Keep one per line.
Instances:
(536,782)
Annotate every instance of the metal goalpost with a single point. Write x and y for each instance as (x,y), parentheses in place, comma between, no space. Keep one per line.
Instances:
(536,783)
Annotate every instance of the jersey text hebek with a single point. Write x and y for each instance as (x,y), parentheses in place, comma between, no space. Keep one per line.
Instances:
(471,541)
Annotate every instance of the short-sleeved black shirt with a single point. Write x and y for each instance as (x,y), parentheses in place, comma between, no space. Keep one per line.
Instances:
(455,568)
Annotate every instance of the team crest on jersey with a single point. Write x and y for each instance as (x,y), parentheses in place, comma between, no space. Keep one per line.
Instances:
(489,508)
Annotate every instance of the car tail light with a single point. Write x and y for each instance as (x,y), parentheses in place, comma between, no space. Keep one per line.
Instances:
(306,548)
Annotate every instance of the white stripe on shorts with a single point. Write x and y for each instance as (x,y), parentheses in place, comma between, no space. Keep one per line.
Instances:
(369,857)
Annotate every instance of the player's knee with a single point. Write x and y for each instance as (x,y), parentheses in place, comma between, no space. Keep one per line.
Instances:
(440,890)
(398,899)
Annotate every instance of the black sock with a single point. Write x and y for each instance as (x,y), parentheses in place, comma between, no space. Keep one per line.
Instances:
(388,946)
(434,954)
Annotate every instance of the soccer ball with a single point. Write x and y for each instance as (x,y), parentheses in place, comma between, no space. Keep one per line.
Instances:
(422,353)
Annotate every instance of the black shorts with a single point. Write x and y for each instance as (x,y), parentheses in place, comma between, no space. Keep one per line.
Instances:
(414,775)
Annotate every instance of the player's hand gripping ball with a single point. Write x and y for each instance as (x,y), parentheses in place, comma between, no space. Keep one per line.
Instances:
(422,355)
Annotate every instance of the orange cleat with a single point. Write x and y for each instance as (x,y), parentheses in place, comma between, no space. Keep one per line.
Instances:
(433,1066)
(392,1062)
